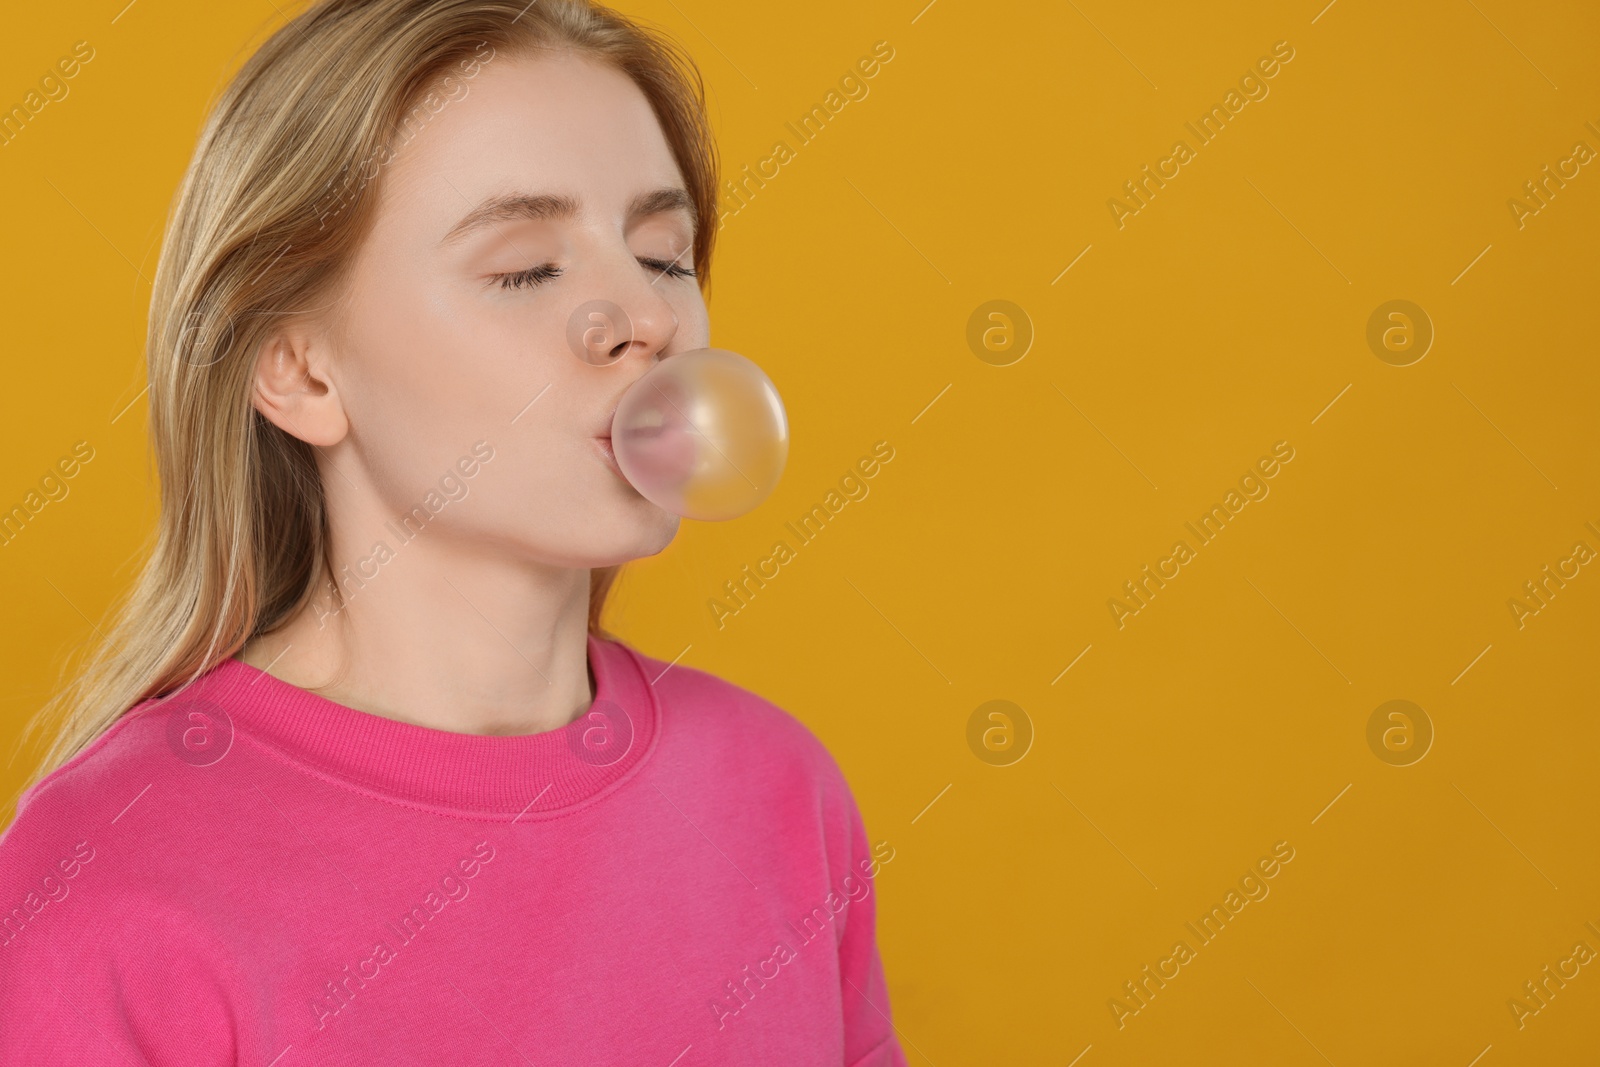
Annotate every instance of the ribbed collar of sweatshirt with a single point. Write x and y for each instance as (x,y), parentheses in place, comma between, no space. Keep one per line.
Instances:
(517,777)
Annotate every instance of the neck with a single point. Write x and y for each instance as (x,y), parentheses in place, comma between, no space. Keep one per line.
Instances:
(437,637)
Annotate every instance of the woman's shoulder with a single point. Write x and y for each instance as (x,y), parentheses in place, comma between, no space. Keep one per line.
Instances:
(117,795)
(734,720)
(91,848)
(121,762)
(86,888)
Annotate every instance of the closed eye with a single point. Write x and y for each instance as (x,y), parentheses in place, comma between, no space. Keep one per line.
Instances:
(531,277)
(544,272)
(670,268)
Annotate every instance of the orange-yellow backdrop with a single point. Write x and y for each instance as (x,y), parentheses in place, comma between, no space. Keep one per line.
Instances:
(1175,341)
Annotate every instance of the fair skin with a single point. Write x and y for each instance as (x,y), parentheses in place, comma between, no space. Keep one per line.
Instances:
(478,624)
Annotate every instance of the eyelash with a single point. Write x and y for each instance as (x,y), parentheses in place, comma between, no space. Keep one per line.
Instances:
(537,275)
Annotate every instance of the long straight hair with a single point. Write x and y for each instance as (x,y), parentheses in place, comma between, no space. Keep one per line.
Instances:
(274,204)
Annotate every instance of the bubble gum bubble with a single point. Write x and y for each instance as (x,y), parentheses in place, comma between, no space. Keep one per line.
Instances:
(703,435)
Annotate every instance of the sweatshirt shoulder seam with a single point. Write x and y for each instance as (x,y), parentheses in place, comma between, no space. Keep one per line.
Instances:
(65,772)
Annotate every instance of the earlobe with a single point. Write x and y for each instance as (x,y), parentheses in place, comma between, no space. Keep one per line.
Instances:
(293,391)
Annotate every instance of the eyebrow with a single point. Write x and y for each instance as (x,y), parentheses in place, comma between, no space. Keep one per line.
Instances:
(554,206)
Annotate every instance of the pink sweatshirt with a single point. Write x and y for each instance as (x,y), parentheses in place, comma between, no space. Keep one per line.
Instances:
(248,873)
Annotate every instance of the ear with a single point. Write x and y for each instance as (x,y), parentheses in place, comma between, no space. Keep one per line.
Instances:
(294,389)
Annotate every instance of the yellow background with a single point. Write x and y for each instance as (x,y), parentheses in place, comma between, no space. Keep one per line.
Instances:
(1228,314)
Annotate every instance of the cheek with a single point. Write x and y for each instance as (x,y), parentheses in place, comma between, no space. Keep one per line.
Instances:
(694,322)
(420,388)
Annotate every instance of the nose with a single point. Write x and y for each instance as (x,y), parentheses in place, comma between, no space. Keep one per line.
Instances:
(634,317)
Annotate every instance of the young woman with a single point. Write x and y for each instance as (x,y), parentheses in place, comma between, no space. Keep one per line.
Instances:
(357,776)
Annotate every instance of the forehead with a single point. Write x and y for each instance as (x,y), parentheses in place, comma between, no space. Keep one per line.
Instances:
(550,122)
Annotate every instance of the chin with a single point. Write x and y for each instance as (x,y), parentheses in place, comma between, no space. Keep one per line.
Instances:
(642,533)
(661,533)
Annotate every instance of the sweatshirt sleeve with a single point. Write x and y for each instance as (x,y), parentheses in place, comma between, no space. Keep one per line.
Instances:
(96,973)
(869,1034)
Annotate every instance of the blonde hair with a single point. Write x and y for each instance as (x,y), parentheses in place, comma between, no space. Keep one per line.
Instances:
(265,224)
